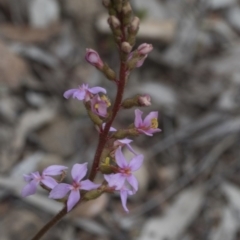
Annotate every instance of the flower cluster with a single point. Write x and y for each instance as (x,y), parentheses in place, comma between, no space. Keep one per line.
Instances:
(109,160)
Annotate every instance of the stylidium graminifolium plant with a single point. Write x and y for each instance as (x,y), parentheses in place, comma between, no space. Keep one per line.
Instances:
(109,160)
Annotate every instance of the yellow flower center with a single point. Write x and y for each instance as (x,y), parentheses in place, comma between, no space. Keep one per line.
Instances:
(154,123)
(96,106)
(106,100)
(107,160)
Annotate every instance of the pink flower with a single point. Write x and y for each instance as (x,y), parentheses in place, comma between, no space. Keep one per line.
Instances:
(147,126)
(99,105)
(124,171)
(35,178)
(83,92)
(61,190)
(93,58)
(144,49)
(124,142)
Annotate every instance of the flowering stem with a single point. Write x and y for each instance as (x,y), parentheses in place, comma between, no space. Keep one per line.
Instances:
(104,135)
(117,105)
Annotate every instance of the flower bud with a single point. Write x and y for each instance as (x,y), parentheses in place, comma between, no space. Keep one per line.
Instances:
(127,9)
(106,3)
(127,14)
(144,48)
(126,47)
(144,100)
(95,118)
(109,73)
(123,133)
(130,102)
(93,194)
(134,25)
(115,26)
(93,58)
(114,22)
(118,5)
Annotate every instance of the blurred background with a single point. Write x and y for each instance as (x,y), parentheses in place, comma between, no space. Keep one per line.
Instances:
(190,182)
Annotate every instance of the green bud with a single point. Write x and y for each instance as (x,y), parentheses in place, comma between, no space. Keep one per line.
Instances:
(134,26)
(127,14)
(95,118)
(106,3)
(130,102)
(118,4)
(93,194)
(120,134)
(109,73)
(105,169)
(126,47)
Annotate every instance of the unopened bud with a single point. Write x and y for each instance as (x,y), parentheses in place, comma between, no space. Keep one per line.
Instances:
(130,102)
(93,194)
(127,9)
(95,118)
(109,73)
(127,14)
(118,5)
(135,61)
(93,58)
(134,25)
(144,48)
(144,100)
(106,3)
(126,47)
(114,22)
(115,26)
(120,134)
(137,101)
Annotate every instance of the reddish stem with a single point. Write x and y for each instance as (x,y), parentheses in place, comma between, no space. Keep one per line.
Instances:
(103,137)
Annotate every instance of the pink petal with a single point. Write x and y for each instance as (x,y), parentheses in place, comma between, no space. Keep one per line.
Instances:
(54,170)
(49,182)
(36,176)
(60,191)
(120,159)
(131,149)
(28,177)
(124,195)
(102,109)
(138,118)
(136,162)
(125,141)
(107,177)
(79,171)
(69,93)
(80,95)
(30,188)
(73,198)
(116,180)
(147,121)
(133,182)
(88,185)
(95,90)
(152,130)
(147,132)
(112,129)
